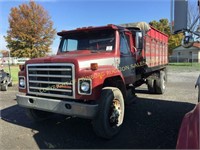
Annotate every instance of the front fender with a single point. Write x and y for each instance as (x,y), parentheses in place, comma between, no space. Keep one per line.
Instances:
(97,77)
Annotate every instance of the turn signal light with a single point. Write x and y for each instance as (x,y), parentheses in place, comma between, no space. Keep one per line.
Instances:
(94,66)
(21,67)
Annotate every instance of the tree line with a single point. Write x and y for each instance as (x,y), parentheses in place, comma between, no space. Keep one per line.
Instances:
(31,31)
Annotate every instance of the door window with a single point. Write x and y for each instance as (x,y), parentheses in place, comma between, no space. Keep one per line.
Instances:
(124,44)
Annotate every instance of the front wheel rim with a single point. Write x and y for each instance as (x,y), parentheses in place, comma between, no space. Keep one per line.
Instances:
(115,117)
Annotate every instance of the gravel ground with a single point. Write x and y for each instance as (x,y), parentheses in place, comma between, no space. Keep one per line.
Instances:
(152,121)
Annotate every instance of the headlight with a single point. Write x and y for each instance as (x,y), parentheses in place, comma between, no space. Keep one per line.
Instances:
(85,87)
(21,82)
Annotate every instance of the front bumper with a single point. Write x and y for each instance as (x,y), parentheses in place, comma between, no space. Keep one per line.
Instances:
(57,106)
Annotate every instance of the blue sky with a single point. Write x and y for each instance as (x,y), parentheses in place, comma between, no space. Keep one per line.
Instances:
(70,14)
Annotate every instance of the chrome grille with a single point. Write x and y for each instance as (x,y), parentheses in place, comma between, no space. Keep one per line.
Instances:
(51,80)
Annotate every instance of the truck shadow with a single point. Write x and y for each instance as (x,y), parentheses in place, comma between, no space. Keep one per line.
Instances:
(148,124)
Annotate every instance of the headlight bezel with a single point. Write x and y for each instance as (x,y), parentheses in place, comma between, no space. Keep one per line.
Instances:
(22,78)
(80,84)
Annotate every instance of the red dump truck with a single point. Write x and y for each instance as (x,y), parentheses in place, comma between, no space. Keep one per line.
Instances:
(93,73)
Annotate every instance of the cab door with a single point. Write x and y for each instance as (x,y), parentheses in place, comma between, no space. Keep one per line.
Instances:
(127,61)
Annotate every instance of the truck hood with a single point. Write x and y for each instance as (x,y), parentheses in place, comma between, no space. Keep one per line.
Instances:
(81,58)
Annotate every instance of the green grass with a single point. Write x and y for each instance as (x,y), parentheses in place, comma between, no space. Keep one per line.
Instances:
(14,72)
(184,67)
(184,64)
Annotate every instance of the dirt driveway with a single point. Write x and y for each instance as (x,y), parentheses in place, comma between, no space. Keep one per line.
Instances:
(152,121)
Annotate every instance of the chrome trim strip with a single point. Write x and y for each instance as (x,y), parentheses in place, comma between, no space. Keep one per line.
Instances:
(49,69)
(46,82)
(50,89)
(103,61)
(51,76)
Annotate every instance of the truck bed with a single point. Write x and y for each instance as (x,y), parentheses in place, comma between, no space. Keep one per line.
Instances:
(155,51)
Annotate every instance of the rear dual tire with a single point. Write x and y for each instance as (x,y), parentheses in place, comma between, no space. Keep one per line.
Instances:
(160,86)
(157,85)
(151,86)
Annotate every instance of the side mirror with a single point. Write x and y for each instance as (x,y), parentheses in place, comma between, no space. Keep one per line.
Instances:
(139,40)
(187,41)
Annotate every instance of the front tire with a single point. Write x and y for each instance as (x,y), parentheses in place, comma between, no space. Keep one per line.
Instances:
(110,116)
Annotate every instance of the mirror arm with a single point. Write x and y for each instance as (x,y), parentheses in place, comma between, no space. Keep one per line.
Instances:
(195,33)
(179,31)
(187,30)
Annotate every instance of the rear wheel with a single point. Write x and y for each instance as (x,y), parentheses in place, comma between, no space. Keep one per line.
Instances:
(151,85)
(110,116)
(160,85)
(37,115)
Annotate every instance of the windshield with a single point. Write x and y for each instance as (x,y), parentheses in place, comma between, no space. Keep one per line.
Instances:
(88,40)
